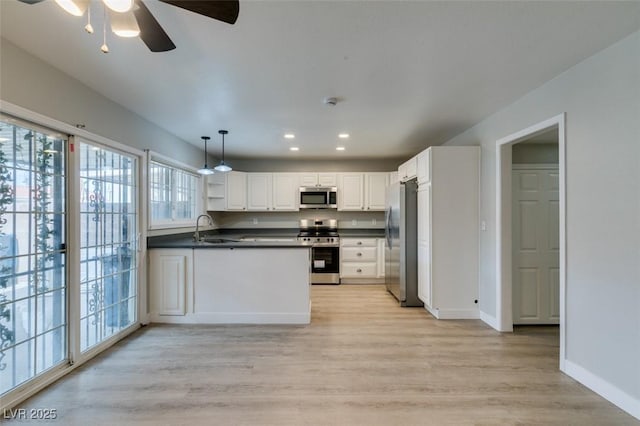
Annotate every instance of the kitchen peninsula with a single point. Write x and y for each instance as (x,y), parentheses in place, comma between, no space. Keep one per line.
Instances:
(229,279)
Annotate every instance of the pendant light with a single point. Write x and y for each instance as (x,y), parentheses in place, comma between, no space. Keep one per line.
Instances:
(223,167)
(205,170)
(74,7)
(124,24)
(120,6)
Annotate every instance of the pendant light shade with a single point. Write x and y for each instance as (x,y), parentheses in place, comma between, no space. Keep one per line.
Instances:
(205,170)
(124,24)
(223,167)
(120,6)
(74,7)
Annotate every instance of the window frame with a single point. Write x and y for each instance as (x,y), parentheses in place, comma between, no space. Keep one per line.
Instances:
(174,165)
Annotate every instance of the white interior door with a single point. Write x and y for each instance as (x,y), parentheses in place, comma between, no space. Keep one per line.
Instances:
(536,267)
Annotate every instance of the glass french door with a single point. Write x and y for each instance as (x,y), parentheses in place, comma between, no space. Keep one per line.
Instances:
(108,242)
(33,278)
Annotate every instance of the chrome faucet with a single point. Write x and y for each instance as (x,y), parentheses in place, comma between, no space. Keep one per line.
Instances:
(196,235)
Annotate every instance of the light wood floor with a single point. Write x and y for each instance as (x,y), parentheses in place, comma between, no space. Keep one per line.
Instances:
(362,361)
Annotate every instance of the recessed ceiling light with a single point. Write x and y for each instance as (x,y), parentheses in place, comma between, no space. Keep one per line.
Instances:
(289,136)
(340,148)
(343,135)
(294,148)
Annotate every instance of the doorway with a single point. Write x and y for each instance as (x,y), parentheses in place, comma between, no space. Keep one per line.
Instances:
(504,234)
(535,214)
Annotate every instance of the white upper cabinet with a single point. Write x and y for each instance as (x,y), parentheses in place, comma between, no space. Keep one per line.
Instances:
(375,190)
(362,191)
(241,191)
(285,191)
(272,191)
(393,177)
(318,179)
(236,192)
(351,191)
(259,191)
(424,166)
(408,170)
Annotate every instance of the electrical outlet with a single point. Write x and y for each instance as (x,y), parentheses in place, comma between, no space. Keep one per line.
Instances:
(255,221)
(373,221)
(483,226)
(354,222)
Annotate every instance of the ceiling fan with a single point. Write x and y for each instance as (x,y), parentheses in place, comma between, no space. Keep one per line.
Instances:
(151,33)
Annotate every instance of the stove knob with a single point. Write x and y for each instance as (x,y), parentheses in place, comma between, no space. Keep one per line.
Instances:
(318,239)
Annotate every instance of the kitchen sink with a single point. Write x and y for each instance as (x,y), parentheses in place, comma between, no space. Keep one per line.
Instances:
(218,240)
(269,239)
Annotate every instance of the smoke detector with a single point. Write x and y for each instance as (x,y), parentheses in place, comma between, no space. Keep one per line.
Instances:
(330,101)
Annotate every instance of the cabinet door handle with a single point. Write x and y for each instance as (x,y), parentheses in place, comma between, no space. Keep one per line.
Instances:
(359,254)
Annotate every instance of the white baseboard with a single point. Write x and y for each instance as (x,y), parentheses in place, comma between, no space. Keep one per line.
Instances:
(445,314)
(235,318)
(489,320)
(252,318)
(361,281)
(603,388)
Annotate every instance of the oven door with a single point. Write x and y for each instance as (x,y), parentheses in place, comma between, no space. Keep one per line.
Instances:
(325,265)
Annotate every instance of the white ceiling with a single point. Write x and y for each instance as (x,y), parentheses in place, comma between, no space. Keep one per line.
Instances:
(408,74)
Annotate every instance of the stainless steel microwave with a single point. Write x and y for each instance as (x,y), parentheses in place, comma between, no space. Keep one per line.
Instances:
(319,198)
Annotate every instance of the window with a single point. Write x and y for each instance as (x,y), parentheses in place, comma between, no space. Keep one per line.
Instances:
(108,243)
(173,195)
(33,285)
(66,286)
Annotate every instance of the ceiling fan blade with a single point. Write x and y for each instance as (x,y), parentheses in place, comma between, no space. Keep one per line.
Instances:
(151,32)
(222,10)
(31,1)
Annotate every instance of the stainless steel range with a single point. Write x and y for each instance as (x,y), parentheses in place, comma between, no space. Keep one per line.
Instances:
(322,235)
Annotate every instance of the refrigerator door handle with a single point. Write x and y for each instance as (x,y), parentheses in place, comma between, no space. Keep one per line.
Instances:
(388,226)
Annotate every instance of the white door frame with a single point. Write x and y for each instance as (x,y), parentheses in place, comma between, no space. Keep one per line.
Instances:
(504,312)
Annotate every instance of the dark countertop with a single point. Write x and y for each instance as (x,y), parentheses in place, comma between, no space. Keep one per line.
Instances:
(244,238)
(231,238)
(361,233)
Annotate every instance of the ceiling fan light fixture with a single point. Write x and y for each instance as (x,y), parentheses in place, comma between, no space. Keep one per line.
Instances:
(74,7)
(205,170)
(119,5)
(124,24)
(223,167)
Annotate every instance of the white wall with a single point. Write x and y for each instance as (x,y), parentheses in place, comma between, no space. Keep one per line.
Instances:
(37,86)
(601,98)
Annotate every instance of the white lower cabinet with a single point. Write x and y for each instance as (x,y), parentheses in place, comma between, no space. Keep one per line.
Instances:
(359,259)
(171,277)
(230,285)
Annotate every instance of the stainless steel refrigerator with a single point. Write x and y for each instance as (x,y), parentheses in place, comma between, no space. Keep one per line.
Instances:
(401,248)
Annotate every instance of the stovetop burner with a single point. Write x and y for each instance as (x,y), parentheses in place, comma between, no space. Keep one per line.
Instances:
(319,231)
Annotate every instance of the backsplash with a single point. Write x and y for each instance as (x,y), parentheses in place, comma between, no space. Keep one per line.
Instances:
(346,220)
